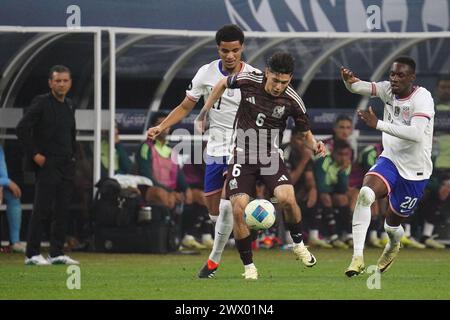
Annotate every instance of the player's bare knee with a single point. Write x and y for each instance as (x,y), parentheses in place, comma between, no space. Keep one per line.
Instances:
(366,196)
(286,200)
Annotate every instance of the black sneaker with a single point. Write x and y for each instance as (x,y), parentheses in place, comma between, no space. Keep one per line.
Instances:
(206,273)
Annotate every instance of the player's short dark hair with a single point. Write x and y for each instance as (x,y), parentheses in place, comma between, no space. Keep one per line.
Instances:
(408,61)
(281,62)
(157,115)
(59,68)
(342,117)
(229,33)
(340,145)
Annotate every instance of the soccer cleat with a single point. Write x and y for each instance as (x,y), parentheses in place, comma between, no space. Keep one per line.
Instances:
(431,243)
(62,260)
(191,243)
(384,240)
(387,257)
(356,267)
(319,243)
(37,260)
(18,247)
(208,271)
(339,244)
(349,242)
(304,255)
(231,243)
(410,242)
(376,243)
(208,243)
(250,273)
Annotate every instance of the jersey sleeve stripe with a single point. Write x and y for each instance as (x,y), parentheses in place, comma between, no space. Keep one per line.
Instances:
(246,76)
(418,114)
(191,98)
(255,78)
(249,74)
(374,90)
(294,95)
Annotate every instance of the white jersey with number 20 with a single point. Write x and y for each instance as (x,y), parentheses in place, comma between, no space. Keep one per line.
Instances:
(412,159)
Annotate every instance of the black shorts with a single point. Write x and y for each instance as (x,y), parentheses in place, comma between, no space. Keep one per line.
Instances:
(242,177)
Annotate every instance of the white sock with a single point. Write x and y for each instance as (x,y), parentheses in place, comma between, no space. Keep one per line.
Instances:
(361,219)
(314,234)
(428,229)
(407,230)
(213,218)
(394,233)
(373,235)
(288,238)
(223,229)
(248,266)
(188,237)
(347,236)
(206,237)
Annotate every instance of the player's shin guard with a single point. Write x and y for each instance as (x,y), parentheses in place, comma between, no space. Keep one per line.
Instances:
(223,229)
(244,247)
(361,219)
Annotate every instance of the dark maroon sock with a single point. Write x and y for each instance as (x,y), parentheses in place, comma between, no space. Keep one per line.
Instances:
(295,229)
(244,247)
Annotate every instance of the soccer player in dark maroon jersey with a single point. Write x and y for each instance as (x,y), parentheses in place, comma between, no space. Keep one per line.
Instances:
(267,101)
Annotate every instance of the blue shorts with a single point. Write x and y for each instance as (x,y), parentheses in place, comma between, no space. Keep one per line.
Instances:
(215,174)
(404,195)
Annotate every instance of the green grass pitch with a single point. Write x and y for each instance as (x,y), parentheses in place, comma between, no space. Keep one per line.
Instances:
(416,274)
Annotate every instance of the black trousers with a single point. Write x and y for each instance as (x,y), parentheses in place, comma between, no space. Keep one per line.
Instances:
(53,193)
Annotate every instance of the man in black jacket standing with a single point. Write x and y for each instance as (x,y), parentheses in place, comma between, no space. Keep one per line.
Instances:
(47,131)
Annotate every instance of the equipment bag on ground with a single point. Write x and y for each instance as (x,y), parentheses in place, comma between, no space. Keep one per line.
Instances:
(156,234)
(114,206)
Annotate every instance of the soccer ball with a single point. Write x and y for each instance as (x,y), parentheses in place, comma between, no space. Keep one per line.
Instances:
(259,214)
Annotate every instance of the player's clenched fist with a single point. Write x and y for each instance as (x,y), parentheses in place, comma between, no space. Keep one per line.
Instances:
(320,149)
(153,132)
(348,75)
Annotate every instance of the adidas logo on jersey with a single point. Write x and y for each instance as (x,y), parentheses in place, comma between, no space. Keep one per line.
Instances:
(251,100)
(283,178)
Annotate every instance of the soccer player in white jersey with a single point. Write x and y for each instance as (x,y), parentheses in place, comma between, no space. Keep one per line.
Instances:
(404,167)
(230,40)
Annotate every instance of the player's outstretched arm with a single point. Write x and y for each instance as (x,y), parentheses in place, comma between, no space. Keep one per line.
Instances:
(317,146)
(177,114)
(216,93)
(356,85)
